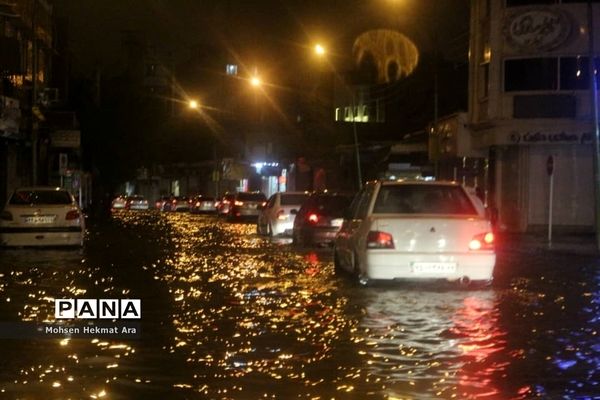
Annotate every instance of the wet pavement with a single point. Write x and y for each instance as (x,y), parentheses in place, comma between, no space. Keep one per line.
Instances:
(231,315)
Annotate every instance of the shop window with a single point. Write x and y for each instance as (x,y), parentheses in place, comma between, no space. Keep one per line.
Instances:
(531,74)
(574,73)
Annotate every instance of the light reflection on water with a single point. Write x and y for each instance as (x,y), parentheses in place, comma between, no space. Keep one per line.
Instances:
(231,315)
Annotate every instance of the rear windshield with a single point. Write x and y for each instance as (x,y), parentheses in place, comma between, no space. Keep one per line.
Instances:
(244,196)
(293,199)
(423,199)
(333,205)
(53,197)
(136,198)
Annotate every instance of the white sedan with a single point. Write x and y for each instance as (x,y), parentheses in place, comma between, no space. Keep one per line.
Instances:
(41,216)
(416,230)
(277,216)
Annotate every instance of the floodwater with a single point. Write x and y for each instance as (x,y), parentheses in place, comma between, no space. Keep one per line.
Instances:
(227,314)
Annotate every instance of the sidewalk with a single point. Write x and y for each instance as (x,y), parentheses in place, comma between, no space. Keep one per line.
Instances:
(529,243)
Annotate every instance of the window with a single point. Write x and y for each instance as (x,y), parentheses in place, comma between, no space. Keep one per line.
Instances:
(38,197)
(531,74)
(231,69)
(574,73)
(423,199)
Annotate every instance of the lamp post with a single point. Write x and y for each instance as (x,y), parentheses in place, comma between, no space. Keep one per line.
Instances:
(216,176)
(321,52)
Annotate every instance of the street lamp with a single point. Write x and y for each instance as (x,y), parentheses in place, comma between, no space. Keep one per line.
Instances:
(193,104)
(320,52)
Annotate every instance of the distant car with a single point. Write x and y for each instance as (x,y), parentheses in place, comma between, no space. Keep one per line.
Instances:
(224,205)
(203,204)
(41,216)
(246,205)
(416,230)
(136,202)
(177,203)
(277,216)
(119,203)
(319,219)
(160,203)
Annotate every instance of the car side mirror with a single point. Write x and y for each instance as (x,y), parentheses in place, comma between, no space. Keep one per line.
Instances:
(294,211)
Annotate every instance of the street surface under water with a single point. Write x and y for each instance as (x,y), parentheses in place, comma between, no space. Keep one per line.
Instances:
(227,314)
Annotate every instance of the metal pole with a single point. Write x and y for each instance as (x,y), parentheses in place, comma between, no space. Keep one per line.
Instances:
(550,208)
(356,149)
(594,93)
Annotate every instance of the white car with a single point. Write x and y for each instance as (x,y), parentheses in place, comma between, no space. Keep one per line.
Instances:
(277,216)
(41,216)
(136,202)
(416,230)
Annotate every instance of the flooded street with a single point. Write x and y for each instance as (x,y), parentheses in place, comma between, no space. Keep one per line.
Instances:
(227,314)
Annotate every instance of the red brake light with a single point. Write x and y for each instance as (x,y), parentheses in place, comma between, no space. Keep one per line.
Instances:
(483,241)
(314,218)
(264,203)
(380,240)
(71,215)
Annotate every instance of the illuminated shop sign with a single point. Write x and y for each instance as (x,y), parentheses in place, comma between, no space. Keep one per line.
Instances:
(537,29)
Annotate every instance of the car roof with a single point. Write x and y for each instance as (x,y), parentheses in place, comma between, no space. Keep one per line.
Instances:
(419,182)
(40,188)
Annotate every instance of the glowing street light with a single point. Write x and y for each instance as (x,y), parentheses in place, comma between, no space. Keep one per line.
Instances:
(193,104)
(319,50)
(255,81)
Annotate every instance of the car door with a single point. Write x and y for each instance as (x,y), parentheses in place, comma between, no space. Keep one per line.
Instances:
(266,214)
(347,239)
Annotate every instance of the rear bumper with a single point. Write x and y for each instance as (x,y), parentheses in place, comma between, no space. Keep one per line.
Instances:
(319,236)
(16,237)
(392,265)
(244,212)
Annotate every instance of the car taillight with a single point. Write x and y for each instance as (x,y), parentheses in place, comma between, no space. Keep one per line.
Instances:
(174,202)
(225,201)
(281,214)
(380,240)
(197,204)
(238,203)
(73,214)
(483,241)
(264,203)
(6,216)
(314,218)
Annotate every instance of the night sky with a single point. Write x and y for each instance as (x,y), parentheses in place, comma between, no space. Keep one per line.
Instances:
(259,32)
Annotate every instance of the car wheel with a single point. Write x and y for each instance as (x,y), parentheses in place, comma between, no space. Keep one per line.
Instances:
(358,276)
(337,267)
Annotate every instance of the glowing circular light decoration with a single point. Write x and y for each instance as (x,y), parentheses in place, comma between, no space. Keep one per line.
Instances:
(394,54)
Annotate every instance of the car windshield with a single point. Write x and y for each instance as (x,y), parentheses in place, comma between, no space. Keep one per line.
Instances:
(51,197)
(293,199)
(251,197)
(332,205)
(423,199)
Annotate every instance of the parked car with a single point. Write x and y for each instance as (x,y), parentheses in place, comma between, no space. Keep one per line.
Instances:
(246,205)
(203,204)
(119,203)
(136,202)
(416,230)
(177,203)
(41,216)
(277,216)
(224,205)
(319,219)
(160,203)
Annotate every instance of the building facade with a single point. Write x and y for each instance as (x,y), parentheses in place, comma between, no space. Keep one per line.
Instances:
(531,109)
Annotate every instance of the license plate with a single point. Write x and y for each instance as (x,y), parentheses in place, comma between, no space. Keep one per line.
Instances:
(433,267)
(337,222)
(40,219)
